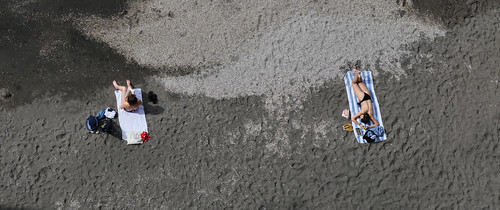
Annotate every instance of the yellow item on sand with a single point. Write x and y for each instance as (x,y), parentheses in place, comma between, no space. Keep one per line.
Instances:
(348,127)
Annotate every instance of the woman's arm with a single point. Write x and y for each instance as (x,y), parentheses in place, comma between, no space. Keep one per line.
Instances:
(375,122)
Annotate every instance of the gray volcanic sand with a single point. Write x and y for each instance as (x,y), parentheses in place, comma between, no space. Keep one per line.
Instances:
(439,105)
(278,55)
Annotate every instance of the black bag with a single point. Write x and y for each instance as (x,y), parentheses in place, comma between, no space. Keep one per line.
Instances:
(370,136)
(153,97)
(106,125)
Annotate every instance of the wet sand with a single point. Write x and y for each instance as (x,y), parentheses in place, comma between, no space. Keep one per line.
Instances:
(277,149)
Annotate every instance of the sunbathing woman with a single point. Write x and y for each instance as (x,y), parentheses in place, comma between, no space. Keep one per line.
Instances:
(365,102)
(130,102)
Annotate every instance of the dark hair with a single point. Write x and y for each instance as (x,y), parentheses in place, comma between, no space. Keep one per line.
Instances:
(366,118)
(131,99)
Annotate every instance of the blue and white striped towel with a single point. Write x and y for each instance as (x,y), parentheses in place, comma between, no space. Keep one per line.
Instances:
(355,108)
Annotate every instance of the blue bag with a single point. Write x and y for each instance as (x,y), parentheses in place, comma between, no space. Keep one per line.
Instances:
(101,115)
(92,123)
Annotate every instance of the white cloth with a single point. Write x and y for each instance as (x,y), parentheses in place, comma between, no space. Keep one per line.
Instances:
(130,91)
(109,113)
(131,123)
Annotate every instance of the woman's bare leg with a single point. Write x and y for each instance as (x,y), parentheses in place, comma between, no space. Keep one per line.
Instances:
(124,90)
(357,78)
(129,86)
(364,88)
(118,87)
(360,84)
(355,85)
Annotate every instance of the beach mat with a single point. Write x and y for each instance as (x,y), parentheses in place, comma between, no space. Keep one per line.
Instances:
(134,123)
(354,108)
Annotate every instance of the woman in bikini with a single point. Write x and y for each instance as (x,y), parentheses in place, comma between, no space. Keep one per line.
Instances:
(365,102)
(130,102)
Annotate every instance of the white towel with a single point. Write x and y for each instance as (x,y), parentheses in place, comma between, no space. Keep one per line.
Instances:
(355,108)
(110,113)
(134,123)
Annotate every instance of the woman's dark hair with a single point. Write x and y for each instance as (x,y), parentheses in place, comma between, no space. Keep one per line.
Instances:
(131,99)
(365,119)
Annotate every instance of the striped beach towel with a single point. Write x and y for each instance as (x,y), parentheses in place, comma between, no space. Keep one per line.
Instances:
(355,108)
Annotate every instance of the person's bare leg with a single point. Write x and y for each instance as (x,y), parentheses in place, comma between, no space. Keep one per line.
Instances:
(123,89)
(118,87)
(364,88)
(355,85)
(357,90)
(357,78)
(360,83)
(129,86)
(115,84)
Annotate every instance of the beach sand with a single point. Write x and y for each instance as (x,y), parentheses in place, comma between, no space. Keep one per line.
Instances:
(249,104)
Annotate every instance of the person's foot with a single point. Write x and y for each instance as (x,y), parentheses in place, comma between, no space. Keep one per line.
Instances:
(115,84)
(128,84)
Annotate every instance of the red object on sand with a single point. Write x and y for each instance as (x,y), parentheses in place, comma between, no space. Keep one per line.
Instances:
(144,136)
